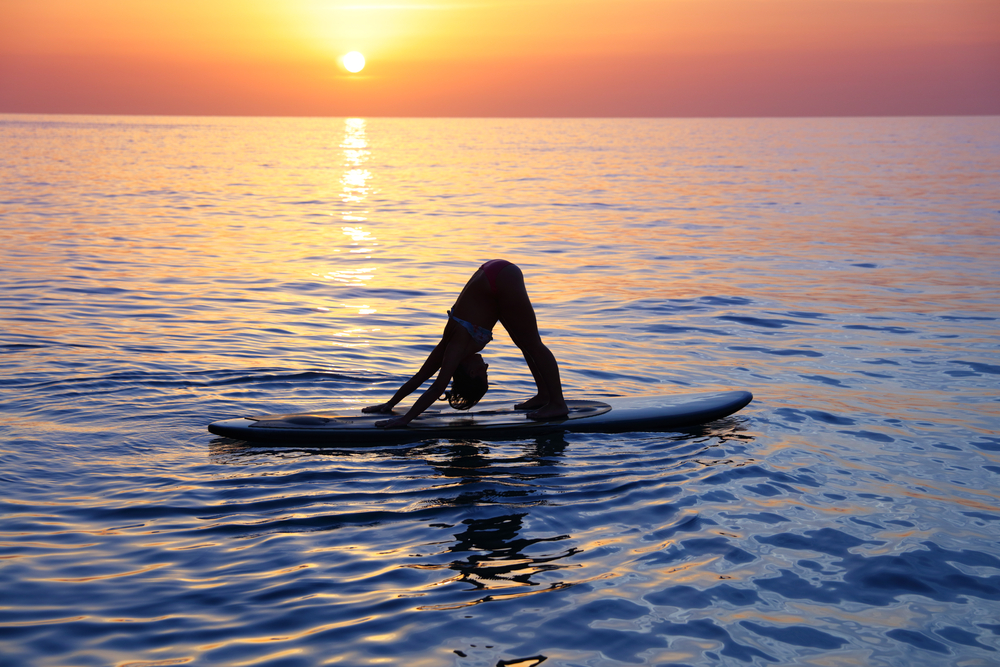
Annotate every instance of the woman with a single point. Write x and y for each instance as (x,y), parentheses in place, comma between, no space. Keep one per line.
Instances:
(494,293)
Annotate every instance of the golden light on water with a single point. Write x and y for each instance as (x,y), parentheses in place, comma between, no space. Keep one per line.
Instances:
(354,62)
(354,182)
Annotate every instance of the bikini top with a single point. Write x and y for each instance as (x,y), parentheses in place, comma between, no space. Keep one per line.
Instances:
(481,335)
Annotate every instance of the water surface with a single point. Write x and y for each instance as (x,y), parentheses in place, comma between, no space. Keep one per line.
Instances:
(162,273)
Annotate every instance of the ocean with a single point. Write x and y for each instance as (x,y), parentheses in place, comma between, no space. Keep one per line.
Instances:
(161,273)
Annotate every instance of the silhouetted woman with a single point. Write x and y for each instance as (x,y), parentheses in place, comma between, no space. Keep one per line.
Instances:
(495,292)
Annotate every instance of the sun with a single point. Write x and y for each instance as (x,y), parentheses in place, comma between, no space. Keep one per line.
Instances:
(353,62)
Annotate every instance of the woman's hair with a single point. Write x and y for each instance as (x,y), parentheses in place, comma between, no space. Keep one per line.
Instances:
(466,390)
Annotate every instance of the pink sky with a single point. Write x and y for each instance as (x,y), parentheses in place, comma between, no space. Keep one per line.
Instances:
(502,57)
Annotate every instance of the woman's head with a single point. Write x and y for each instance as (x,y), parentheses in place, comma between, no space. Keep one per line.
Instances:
(469,384)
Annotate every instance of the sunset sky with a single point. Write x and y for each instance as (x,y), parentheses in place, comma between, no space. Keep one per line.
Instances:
(501,57)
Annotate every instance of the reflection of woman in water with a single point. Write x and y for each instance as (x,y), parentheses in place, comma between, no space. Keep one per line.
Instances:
(495,292)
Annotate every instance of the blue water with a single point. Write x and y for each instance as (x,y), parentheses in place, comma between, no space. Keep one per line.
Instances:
(162,273)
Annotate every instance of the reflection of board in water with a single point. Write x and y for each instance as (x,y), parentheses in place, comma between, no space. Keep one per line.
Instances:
(492,421)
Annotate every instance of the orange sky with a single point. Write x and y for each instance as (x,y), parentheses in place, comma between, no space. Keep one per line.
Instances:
(502,57)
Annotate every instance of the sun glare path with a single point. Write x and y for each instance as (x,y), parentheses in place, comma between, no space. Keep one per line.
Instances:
(354,62)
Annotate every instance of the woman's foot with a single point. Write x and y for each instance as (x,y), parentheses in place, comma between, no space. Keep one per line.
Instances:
(532,403)
(550,411)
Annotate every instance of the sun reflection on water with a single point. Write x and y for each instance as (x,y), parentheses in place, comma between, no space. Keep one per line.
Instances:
(354,192)
(354,183)
(355,277)
(355,177)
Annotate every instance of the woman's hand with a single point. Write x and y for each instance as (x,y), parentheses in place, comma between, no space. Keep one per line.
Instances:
(395,422)
(385,407)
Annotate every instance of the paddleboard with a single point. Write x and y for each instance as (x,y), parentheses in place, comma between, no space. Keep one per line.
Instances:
(487,421)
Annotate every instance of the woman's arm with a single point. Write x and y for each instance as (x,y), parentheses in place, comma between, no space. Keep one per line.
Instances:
(452,356)
(428,369)
(422,403)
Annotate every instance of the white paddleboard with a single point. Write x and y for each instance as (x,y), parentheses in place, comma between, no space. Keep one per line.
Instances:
(487,421)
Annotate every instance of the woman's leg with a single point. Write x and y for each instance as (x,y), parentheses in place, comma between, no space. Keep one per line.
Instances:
(540,399)
(518,317)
